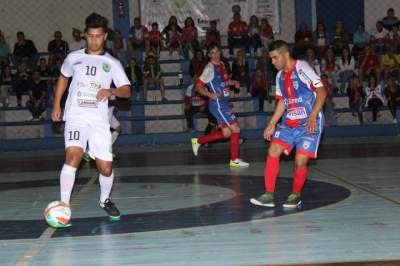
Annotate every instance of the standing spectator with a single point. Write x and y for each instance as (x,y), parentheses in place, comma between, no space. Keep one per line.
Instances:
(303,40)
(330,115)
(194,103)
(390,20)
(264,64)
(356,96)
(258,88)
(266,33)
(4,50)
(312,61)
(390,63)
(339,38)
(138,34)
(37,91)
(6,83)
(346,68)
(321,39)
(172,24)
(254,35)
(154,43)
(174,42)
(118,48)
(153,74)
(189,37)
(134,73)
(392,92)
(240,71)
(375,97)
(360,39)
(378,37)
(197,64)
(58,47)
(368,62)
(329,67)
(212,35)
(237,34)
(77,41)
(21,81)
(24,50)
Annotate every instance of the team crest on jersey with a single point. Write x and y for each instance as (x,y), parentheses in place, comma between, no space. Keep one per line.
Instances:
(295,84)
(106,67)
(306,145)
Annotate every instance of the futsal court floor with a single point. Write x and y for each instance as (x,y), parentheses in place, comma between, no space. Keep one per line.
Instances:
(178,209)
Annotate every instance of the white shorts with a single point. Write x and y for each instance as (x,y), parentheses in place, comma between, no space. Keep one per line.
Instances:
(114,123)
(95,136)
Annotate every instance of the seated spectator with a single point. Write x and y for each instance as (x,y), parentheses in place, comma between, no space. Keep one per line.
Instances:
(321,39)
(390,63)
(77,41)
(194,103)
(339,38)
(374,96)
(390,20)
(134,73)
(266,33)
(240,70)
(258,88)
(24,50)
(197,64)
(154,43)
(190,40)
(378,37)
(356,96)
(58,47)
(312,61)
(172,23)
(360,39)
(174,40)
(303,40)
(119,50)
(138,34)
(330,115)
(392,93)
(368,62)
(44,70)
(212,35)
(21,81)
(153,75)
(254,35)
(55,69)
(237,34)
(264,64)
(4,51)
(393,37)
(346,68)
(329,67)
(6,85)
(37,91)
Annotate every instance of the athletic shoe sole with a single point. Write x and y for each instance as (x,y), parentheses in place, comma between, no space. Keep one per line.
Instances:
(291,206)
(256,202)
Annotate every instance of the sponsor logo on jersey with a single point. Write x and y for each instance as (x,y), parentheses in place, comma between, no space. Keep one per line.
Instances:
(297,113)
(292,101)
(106,67)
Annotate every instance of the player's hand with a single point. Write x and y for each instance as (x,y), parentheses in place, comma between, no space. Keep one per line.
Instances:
(312,124)
(103,94)
(269,131)
(213,96)
(56,113)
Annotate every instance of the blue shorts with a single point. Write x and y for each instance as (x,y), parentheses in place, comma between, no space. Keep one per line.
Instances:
(304,142)
(222,113)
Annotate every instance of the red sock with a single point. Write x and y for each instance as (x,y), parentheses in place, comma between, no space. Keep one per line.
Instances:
(299,178)
(235,146)
(217,135)
(271,173)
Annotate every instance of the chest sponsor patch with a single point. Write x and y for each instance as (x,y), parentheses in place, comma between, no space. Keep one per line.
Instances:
(297,113)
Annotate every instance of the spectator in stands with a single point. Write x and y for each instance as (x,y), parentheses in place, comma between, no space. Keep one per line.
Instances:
(339,38)
(4,50)
(58,47)
(392,92)
(329,67)
(21,81)
(118,48)
(194,103)
(55,69)
(237,34)
(197,64)
(77,41)
(368,63)
(393,37)
(190,40)
(240,71)
(254,35)
(212,35)
(330,115)
(135,75)
(303,40)
(154,43)
(37,91)
(360,39)
(321,39)
(258,88)
(172,24)
(378,37)
(24,50)
(390,63)
(6,85)
(264,64)
(153,75)
(356,96)
(346,68)
(390,20)
(312,61)
(266,33)
(375,98)
(138,34)
(44,70)
(174,40)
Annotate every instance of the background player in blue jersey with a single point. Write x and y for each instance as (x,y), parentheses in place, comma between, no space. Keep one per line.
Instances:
(300,95)
(214,84)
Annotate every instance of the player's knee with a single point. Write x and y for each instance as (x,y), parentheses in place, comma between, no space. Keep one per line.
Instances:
(274,151)
(236,129)
(106,171)
(301,162)
(227,133)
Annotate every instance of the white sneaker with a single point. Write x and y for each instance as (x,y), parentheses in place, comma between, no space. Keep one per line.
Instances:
(195,146)
(238,163)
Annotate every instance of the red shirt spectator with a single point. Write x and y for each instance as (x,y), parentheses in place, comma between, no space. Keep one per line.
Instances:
(237,27)
(189,34)
(155,37)
(213,35)
(368,61)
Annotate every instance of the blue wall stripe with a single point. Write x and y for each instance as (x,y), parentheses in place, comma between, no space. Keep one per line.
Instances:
(303,13)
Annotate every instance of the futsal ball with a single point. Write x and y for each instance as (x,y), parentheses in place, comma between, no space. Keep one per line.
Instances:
(57,214)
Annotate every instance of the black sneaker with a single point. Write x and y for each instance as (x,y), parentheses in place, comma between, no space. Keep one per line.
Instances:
(109,207)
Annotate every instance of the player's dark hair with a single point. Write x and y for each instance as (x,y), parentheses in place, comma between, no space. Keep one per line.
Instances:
(95,21)
(279,45)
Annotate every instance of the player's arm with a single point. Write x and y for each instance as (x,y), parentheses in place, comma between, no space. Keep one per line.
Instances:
(123,85)
(278,113)
(206,77)
(202,90)
(61,86)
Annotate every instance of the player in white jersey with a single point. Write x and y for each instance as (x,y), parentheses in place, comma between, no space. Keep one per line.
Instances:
(86,110)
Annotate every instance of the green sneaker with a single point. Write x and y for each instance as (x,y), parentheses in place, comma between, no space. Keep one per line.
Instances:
(86,157)
(266,200)
(293,201)
(195,146)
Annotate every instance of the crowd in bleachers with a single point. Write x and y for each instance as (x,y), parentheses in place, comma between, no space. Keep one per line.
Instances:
(363,65)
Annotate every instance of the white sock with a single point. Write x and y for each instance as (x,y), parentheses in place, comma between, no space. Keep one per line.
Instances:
(67,180)
(106,183)
(114,136)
